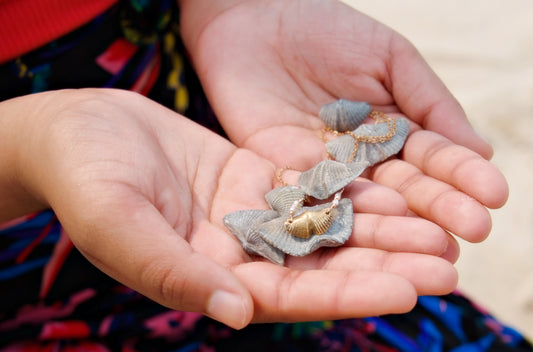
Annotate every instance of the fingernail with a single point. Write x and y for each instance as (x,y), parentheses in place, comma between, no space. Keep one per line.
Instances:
(227,308)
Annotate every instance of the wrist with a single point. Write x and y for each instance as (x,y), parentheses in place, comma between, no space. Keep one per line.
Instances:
(18,127)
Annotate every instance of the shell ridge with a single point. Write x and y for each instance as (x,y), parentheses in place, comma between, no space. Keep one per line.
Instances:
(344,115)
(243,224)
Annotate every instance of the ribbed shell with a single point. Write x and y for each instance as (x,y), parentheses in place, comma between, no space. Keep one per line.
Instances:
(282,198)
(341,148)
(244,223)
(337,233)
(310,223)
(328,177)
(344,115)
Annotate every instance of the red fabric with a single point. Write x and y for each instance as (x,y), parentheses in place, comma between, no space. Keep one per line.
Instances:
(65,330)
(28,24)
(116,56)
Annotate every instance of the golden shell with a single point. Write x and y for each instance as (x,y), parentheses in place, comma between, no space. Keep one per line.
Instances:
(309,223)
(337,233)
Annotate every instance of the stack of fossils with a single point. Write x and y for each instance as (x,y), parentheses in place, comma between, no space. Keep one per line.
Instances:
(290,227)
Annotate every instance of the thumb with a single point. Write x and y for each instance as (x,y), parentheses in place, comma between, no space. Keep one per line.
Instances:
(142,251)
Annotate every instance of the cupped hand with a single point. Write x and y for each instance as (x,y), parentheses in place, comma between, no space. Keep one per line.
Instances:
(268,66)
(141,191)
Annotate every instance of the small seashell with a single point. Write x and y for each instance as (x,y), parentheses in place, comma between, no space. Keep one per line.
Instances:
(329,176)
(309,223)
(282,198)
(344,115)
(341,148)
(244,223)
(337,233)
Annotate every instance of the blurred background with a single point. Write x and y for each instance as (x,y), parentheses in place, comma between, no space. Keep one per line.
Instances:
(483,51)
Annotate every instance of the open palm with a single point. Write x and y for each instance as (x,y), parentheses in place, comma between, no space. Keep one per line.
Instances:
(268,66)
(141,191)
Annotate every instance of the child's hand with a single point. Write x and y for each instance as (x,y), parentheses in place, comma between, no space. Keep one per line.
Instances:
(268,66)
(141,191)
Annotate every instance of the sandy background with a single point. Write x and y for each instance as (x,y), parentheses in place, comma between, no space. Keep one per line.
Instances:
(483,51)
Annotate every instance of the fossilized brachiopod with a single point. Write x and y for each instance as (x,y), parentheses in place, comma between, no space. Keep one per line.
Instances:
(244,223)
(282,198)
(341,148)
(344,115)
(328,177)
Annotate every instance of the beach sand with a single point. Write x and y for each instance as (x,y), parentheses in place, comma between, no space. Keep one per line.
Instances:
(483,51)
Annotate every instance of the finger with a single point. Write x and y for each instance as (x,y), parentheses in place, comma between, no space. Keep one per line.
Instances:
(373,198)
(435,200)
(429,275)
(422,96)
(440,158)
(137,247)
(283,294)
(452,250)
(398,234)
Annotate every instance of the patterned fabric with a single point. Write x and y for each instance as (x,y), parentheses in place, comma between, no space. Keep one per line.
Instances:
(52,298)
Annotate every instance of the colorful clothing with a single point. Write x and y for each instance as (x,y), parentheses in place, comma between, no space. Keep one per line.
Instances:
(27,24)
(52,298)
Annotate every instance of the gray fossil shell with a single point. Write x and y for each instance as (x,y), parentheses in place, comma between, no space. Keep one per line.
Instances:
(244,223)
(328,177)
(344,115)
(341,148)
(337,234)
(282,198)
